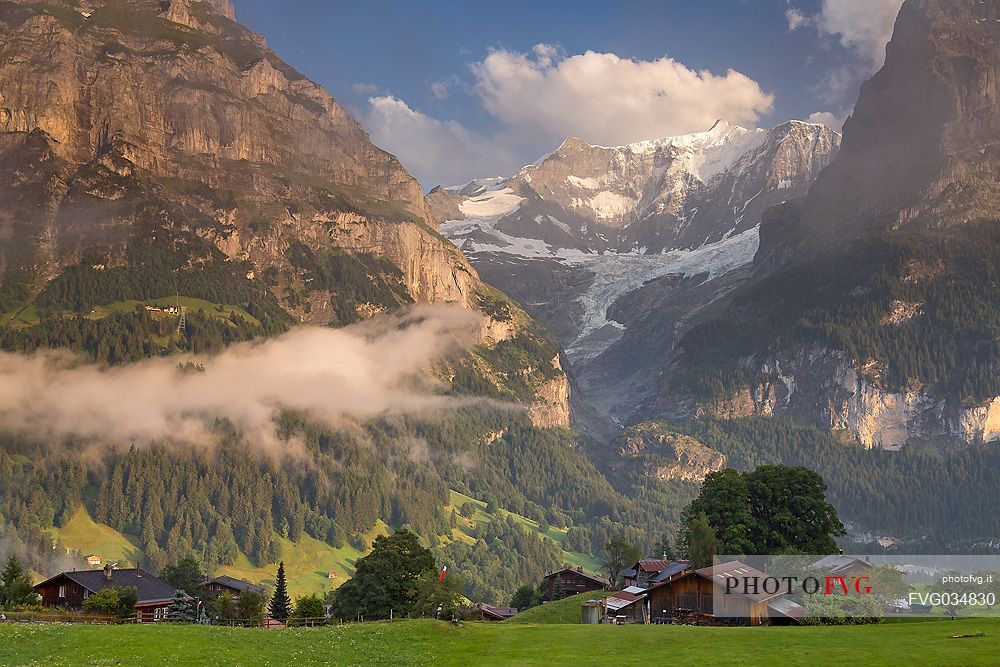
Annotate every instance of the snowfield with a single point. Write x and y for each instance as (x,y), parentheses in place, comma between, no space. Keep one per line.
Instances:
(615,274)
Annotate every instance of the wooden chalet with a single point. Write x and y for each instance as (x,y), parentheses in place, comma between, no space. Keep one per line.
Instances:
(233,586)
(70,589)
(650,571)
(570,581)
(842,566)
(487,612)
(697,597)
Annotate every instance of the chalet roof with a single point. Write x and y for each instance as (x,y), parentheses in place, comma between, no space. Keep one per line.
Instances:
(496,612)
(787,608)
(636,590)
(652,564)
(234,583)
(578,572)
(674,568)
(835,563)
(149,589)
(621,599)
(718,574)
(628,573)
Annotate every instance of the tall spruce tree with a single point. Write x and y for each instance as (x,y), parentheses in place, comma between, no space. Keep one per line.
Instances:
(281,605)
(15,585)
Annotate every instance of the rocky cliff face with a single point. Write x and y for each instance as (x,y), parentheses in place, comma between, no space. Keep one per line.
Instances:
(921,147)
(664,455)
(124,121)
(920,152)
(827,389)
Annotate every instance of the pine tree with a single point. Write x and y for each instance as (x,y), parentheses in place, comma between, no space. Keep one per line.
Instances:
(181,609)
(281,605)
(15,585)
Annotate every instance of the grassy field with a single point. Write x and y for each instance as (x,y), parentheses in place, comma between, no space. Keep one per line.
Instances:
(29,314)
(307,562)
(442,644)
(557,535)
(82,534)
(565,611)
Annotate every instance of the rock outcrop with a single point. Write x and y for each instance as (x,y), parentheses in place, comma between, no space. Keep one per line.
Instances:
(664,455)
(825,388)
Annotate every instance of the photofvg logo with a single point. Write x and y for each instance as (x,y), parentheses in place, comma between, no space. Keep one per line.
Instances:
(841,586)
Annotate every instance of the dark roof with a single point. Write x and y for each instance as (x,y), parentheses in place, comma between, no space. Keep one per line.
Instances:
(787,608)
(652,564)
(674,568)
(718,574)
(585,575)
(628,573)
(496,612)
(834,564)
(148,587)
(234,583)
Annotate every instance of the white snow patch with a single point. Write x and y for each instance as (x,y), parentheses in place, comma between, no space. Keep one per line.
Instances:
(586,183)
(617,274)
(492,204)
(609,205)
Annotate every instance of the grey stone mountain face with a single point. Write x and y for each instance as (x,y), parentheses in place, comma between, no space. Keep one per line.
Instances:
(611,244)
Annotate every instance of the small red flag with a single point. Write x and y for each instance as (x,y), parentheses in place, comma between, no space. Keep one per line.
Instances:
(443,570)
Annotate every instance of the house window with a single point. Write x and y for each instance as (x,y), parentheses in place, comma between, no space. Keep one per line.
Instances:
(62,591)
(158,613)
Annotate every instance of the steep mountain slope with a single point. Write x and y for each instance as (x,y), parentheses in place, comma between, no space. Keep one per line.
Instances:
(885,323)
(159,157)
(921,148)
(615,246)
(159,149)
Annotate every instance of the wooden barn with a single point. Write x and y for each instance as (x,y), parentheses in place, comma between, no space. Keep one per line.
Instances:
(233,586)
(650,571)
(696,597)
(487,612)
(570,581)
(69,589)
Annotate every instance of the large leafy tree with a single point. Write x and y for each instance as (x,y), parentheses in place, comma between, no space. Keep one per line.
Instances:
(112,601)
(15,585)
(703,543)
(790,511)
(386,580)
(185,575)
(250,607)
(619,553)
(775,509)
(724,500)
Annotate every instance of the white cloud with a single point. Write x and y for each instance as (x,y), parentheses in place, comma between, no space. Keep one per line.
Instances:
(862,26)
(440,90)
(831,120)
(540,98)
(436,152)
(796,19)
(605,99)
(333,375)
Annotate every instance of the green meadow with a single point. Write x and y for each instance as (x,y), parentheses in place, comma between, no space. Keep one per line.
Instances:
(426,642)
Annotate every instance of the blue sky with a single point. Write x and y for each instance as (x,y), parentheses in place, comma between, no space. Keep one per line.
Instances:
(465,89)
